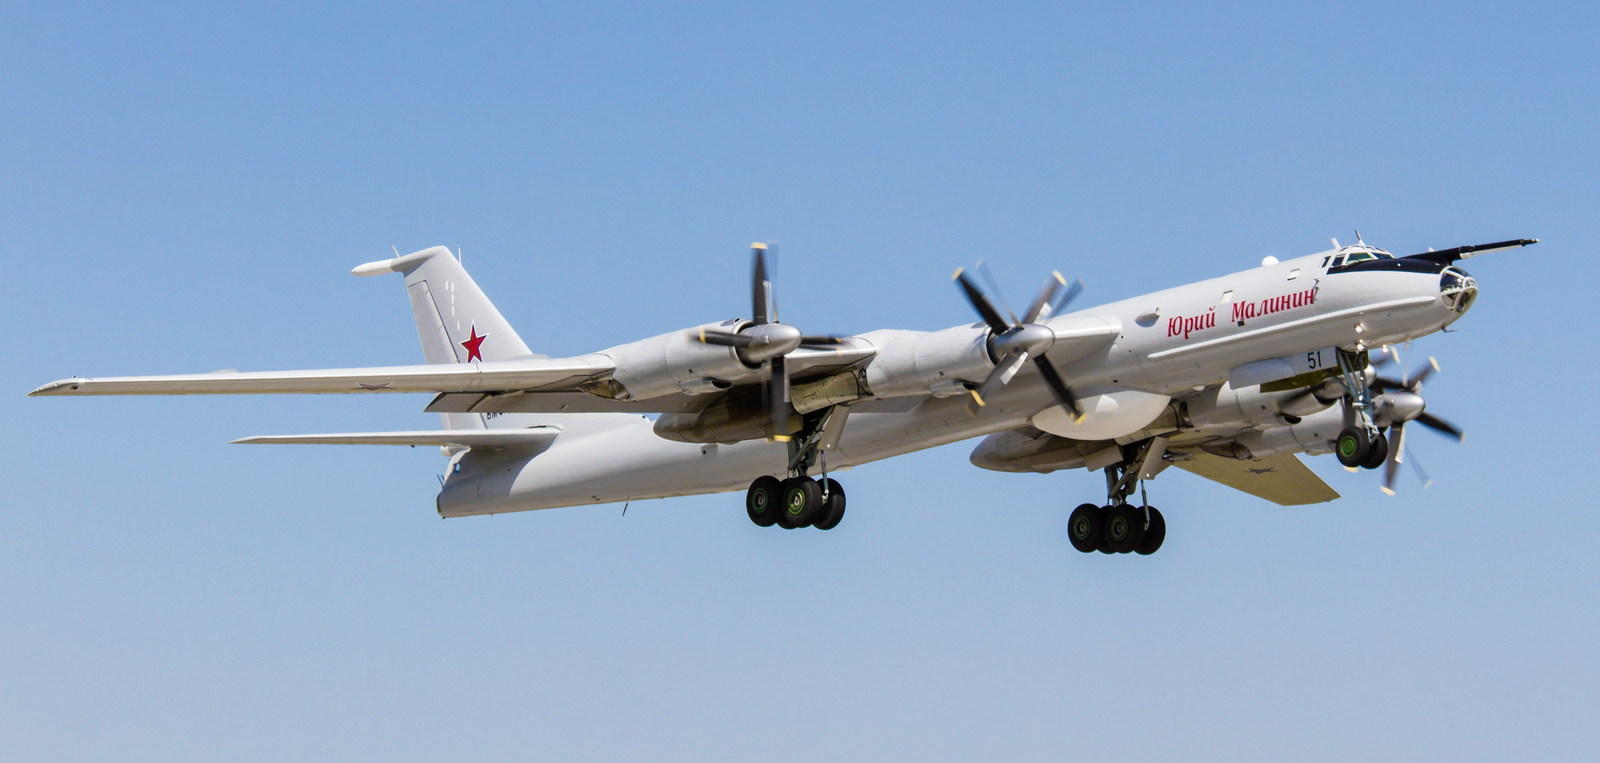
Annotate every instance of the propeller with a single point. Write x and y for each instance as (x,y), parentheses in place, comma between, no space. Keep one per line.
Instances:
(1399,402)
(766,342)
(1014,343)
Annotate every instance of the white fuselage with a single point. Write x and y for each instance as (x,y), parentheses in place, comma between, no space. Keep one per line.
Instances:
(1170,343)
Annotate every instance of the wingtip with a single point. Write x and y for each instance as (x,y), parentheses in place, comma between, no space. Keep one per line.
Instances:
(58,387)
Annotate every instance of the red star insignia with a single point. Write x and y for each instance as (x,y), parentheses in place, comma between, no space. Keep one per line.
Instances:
(474,345)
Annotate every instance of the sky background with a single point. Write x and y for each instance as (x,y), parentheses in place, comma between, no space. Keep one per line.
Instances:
(184,188)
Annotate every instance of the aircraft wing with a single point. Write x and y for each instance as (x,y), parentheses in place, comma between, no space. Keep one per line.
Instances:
(533,437)
(1281,479)
(523,374)
(805,364)
(522,385)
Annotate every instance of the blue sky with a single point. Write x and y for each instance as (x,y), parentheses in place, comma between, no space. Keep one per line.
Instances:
(186,187)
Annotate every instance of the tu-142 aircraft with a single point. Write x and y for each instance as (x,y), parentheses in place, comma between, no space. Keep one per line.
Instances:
(1228,378)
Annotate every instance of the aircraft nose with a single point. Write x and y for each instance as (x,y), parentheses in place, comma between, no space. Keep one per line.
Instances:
(1458,289)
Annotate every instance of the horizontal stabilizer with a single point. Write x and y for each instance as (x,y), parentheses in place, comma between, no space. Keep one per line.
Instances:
(538,438)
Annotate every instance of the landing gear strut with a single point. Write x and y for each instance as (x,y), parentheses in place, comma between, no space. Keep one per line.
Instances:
(1119,527)
(1360,444)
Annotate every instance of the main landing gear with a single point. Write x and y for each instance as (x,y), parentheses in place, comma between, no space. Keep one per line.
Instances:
(795,502)
(801,501)
(1120,527)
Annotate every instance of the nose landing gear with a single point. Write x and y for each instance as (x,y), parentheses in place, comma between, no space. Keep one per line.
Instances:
(1361,444)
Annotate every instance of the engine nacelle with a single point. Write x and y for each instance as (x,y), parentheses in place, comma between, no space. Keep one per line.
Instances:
(1314,434)
(672,364)
(1224,407)
(736,416)
(924,362)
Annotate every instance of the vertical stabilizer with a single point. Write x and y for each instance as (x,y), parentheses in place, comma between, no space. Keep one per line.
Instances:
(457,323)
(455,320)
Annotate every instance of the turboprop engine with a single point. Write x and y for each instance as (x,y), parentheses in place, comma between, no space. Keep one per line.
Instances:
(674,363)
(1223,407)
(941,363)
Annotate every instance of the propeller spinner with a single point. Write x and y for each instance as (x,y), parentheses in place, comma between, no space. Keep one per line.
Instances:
(1015,343)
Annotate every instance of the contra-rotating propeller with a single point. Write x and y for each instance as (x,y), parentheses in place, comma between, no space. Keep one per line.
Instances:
(765,342)
(1400,401)
(1012,344)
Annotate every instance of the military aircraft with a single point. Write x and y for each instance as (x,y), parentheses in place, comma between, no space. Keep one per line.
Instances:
(1227,378)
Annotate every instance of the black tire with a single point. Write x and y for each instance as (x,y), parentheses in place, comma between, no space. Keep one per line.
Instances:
(1124,528)
(802,502)
(1083,528)
(1101,513)
(833,508)
(1352,446)
(1154,534)
(1377,453)
(761,501)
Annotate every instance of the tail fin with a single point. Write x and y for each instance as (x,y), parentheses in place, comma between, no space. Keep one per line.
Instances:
(455,320)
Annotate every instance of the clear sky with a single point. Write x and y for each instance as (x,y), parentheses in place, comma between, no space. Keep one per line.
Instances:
(184,187)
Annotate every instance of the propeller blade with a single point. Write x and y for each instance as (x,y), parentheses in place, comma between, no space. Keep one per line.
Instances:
(1058,386)
(994,288)
(1046,297)
(1383,358)
(1415,382)
(777,393)
(1002,373)
(997,324)
(725,339)
(1440,425)
(1422,474)
(761,309)
(1065,298)
(1397,449)
(1381,383)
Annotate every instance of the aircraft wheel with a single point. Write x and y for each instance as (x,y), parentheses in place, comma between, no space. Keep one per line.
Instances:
(1102,514)
(1154,534)
(833,509)
(1378,452)
(1083,527)
(761,502)
(802,502)
(1124,528)
(1352,446)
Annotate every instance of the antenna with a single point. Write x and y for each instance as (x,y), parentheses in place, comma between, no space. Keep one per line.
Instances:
(1335,242)
(1358,238)
(396,250)
(458,253)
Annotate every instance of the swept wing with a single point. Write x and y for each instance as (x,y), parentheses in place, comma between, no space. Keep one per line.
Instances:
(1281,479)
